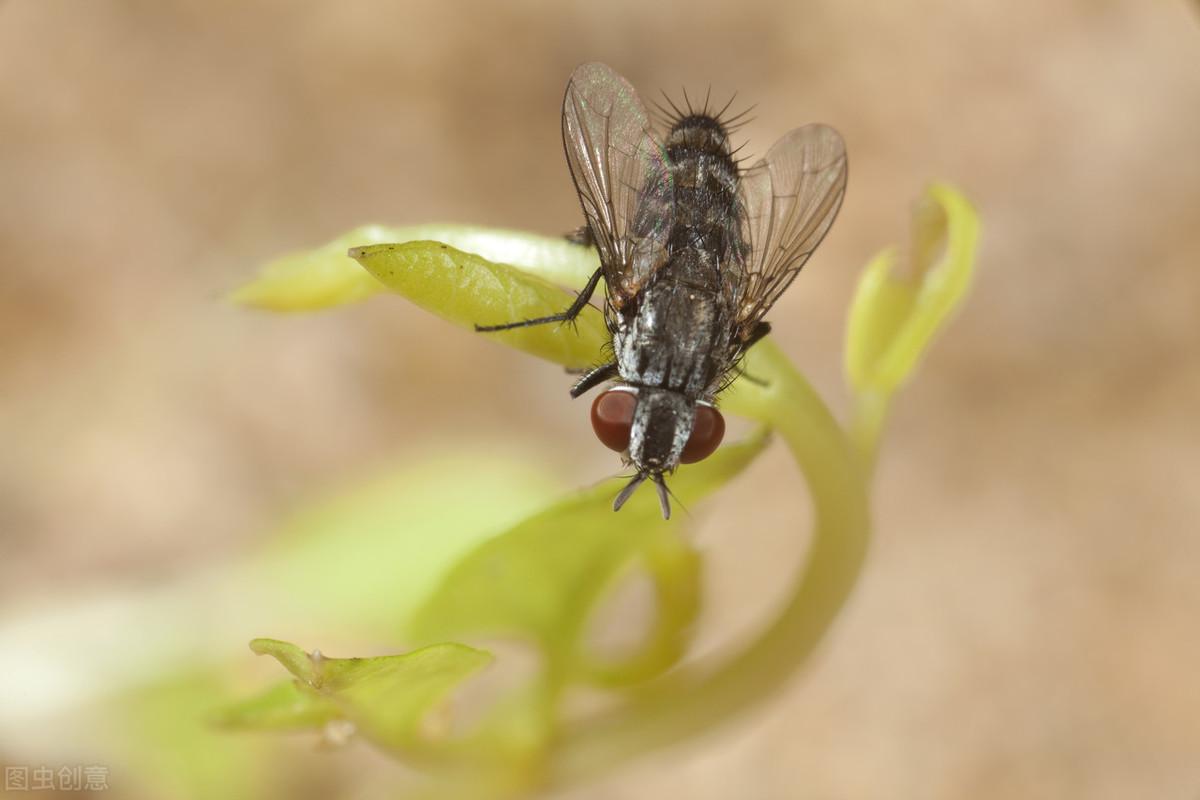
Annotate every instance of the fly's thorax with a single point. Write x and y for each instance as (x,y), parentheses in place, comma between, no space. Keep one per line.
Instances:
(662,423)
(677,335)
(636,329)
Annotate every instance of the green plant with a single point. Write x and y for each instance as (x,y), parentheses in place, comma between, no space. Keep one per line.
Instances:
(541,580)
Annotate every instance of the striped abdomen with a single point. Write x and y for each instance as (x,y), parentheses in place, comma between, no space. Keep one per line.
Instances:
(708,207)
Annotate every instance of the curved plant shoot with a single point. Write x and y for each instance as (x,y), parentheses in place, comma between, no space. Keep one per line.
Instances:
(540,580)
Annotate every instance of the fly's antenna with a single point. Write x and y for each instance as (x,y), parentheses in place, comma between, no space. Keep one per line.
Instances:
(664,495)
(628,491)
(675,497)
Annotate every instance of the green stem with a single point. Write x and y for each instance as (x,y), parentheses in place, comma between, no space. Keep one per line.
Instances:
(866,427)
(691,700)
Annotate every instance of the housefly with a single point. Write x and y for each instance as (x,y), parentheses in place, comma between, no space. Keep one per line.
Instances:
(694,250)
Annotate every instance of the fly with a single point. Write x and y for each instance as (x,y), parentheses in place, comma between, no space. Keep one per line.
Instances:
(694,250)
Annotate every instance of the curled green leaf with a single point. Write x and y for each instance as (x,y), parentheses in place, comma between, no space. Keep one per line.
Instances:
(894,317)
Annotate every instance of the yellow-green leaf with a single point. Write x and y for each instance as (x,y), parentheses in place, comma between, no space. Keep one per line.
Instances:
(387,698)
(468,290)
(325,276)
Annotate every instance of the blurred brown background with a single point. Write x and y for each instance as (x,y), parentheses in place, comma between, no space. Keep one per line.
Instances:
(1028,624)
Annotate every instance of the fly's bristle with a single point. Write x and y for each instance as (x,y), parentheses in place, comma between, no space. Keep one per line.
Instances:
(665,118)
(721,114)
(737,150)
(740,164)
(678,115)
(686,108)
(673,113)
(737,121)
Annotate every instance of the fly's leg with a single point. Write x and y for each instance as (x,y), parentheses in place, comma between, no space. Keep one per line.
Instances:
(566,316)
(594,377)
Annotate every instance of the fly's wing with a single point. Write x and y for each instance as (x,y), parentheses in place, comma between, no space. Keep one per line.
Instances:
(790,199)
(621,174)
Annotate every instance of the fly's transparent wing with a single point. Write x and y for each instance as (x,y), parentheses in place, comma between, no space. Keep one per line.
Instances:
(791,198)
(621,174)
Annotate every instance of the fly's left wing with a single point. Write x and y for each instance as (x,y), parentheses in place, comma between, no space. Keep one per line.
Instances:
(621,174)
(791,198)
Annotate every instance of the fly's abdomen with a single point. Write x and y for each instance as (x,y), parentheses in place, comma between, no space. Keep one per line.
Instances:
(708,207)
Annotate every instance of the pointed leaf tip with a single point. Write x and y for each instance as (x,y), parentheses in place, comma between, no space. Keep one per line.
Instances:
(326,276)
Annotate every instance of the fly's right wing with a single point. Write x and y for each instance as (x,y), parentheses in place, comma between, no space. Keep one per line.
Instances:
(791,198)
(621,174)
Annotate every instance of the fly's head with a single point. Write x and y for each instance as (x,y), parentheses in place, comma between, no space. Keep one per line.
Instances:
(656,430)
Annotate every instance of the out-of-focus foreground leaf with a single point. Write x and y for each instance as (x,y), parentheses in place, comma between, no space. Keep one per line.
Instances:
(284,706)
(177,751)
(349,568)
(365,558)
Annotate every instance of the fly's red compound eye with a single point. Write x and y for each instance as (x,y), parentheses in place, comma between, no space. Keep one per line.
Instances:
(707,432)
(612,418)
